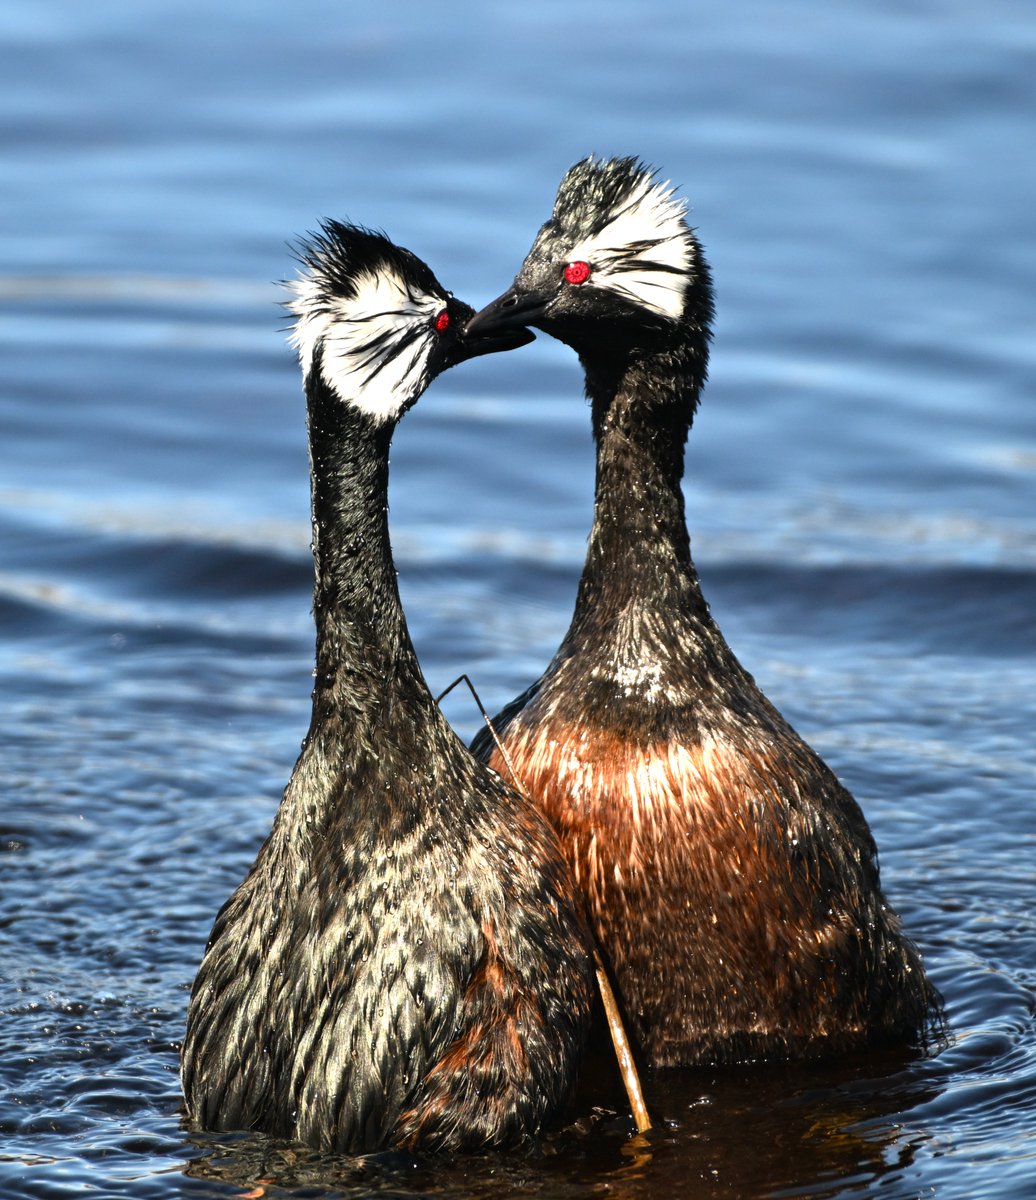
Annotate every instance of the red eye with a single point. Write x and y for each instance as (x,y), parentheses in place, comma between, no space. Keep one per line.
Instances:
(577,272)
(442,322)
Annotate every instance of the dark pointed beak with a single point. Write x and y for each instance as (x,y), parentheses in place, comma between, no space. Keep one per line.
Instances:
(513,308)
(490,341)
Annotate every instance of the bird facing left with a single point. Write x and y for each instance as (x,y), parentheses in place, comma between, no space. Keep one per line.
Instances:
(406,962)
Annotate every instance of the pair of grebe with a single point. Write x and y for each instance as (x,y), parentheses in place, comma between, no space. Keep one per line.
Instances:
(410,959)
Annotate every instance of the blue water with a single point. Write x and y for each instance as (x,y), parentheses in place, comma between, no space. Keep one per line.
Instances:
(860,489)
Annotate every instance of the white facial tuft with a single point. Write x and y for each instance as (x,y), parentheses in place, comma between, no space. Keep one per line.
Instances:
(643,252)
(375,344)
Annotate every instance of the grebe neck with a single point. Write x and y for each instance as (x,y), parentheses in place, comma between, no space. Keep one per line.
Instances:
(365,660)
(639,548)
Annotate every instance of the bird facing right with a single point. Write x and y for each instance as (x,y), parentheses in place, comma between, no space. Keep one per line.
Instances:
(732,880)
(406,962)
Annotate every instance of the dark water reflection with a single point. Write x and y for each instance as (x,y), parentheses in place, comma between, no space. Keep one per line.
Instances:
(860,487)
(741,1133)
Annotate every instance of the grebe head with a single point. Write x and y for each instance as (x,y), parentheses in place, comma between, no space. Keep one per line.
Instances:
(616,266)
(376,324)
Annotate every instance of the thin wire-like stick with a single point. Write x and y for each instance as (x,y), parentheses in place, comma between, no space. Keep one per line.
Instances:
(620,1042)
(489,725)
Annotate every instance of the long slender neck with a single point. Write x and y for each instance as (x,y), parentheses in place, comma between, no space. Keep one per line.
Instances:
(639,549)
(641,646)
(364,656)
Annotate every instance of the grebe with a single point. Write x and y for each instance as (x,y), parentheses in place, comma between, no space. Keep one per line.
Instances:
(732,881)
(406,963)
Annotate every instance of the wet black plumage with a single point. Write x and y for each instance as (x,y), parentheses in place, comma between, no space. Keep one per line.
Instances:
(406,961)
(732,881)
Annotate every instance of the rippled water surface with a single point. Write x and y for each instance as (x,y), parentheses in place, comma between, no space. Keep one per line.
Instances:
(860,488)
